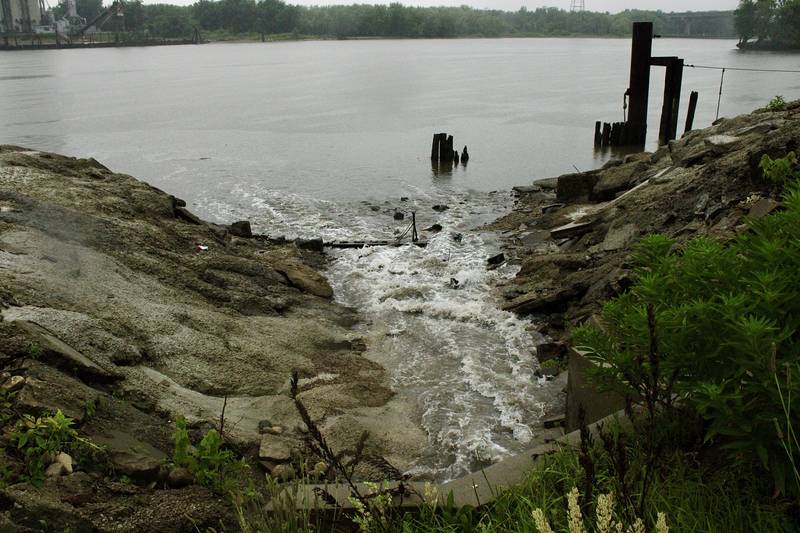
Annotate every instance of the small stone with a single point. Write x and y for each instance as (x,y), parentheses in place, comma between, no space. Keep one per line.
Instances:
(398,215)
(404,198)
(180,477)
(374,208)
(55,470)
(273,449)
(763,207)
(14,383)
(264,426)
(283,472)
(435,228)
(64,460)
(275,430)
(496,259)
(241,229)
(440,208)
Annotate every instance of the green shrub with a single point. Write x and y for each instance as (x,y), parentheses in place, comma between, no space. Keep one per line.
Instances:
(210,463)
(777,104)
(727,328)
(780,171)
(39,439)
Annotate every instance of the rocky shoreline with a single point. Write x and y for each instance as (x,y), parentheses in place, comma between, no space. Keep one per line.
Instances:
(125,311)
(573,235)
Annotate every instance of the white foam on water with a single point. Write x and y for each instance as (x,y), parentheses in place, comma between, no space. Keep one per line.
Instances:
(467,365)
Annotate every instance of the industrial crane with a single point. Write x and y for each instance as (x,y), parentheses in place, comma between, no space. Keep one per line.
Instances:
(115,9)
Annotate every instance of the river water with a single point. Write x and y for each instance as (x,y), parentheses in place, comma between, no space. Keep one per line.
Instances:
(324,138)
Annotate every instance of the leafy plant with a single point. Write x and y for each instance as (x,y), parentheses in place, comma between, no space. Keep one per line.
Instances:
(781,170)
(211,464)
(39,439)
(35,350)
(728,322)
(777,104)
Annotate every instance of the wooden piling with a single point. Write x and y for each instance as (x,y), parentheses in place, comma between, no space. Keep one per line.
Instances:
(606,134)
(690,112)
(672,97)
(641,51)
(598,135)
(435,148)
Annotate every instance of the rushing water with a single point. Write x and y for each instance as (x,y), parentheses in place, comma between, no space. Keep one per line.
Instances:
(324,138)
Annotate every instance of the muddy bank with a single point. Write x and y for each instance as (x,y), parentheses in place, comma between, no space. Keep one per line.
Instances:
(125,311)
(573,235)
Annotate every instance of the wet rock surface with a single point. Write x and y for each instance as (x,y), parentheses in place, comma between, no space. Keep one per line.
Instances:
(124,310)
(574,254)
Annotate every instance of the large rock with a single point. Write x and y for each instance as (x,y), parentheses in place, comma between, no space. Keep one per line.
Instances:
(130,456)
(306,279)
(241,228)
(618,179)
(546,299)
(47,390)
(578,187)
(275,448)
(48,347)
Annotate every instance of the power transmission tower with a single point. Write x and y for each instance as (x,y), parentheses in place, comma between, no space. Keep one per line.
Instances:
(577,5)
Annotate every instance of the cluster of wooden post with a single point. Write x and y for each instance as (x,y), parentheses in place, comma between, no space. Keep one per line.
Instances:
(614,134)
(634,131)
(442,150)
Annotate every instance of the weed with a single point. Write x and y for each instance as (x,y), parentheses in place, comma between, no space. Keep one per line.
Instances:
(777,104)
(35,351)
(40,439)
(780,171)
(728,317)
(211,464)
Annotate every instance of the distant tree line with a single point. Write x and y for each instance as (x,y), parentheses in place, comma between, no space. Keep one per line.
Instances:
(395,20)
(771,23)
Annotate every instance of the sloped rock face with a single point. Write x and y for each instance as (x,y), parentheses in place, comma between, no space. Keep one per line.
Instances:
(113,294)
(707,183)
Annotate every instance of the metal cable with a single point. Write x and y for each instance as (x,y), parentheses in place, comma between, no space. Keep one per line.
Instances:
(744,69)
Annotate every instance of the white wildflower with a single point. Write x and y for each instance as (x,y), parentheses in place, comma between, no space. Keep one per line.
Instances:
(661,524)
(605,512)
(542,525)
(575,516)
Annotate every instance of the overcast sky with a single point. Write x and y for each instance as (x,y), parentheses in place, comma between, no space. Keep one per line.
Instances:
(513,5)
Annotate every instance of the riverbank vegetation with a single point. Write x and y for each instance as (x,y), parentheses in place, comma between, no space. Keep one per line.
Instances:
(768,24)
(241,19)
(704,348)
